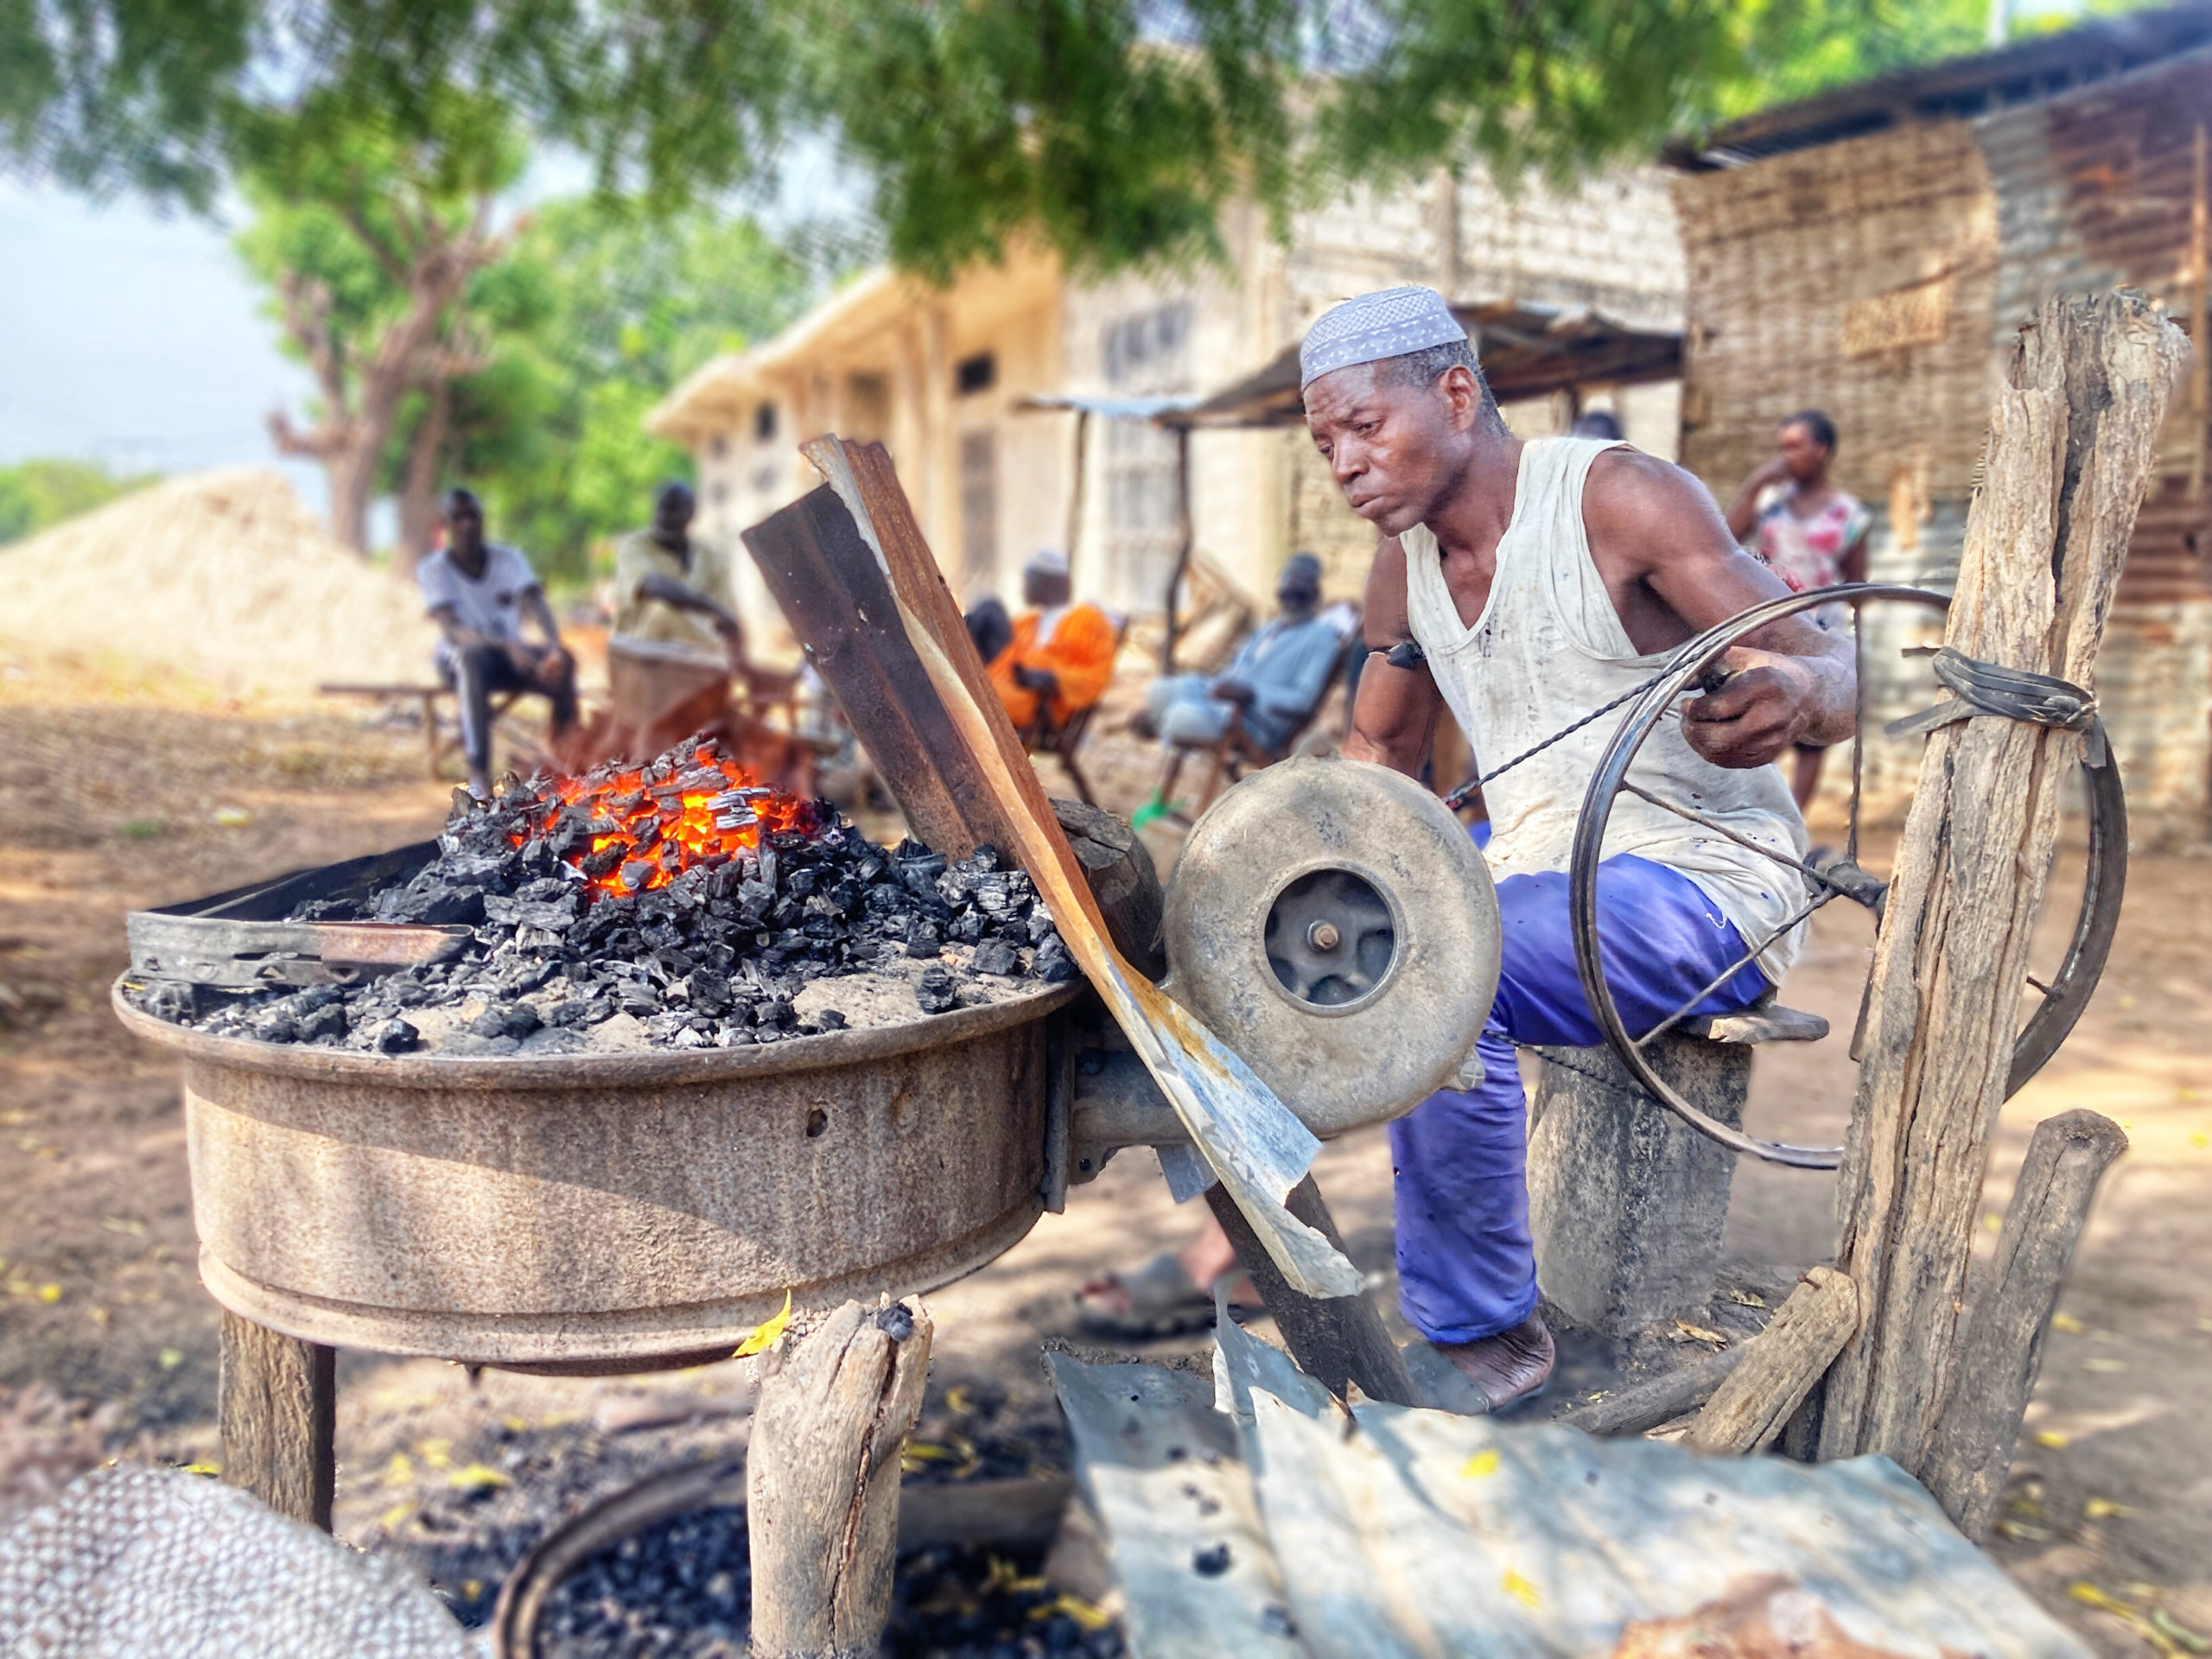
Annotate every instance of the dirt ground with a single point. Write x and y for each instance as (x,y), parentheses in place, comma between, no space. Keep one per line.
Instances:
(122,793)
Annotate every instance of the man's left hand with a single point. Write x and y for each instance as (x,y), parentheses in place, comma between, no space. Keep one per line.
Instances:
(1766,704)
(1236,691)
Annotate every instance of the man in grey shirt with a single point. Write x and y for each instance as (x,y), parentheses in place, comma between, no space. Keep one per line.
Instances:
(480,593)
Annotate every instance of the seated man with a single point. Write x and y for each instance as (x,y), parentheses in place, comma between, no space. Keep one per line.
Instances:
(479,594)
(1277,677)
(1523,585)
(1059,655)
(672,587)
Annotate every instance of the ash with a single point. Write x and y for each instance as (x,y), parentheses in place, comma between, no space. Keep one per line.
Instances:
(668,940)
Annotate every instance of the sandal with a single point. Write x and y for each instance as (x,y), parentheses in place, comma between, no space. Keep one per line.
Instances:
(1163,1301)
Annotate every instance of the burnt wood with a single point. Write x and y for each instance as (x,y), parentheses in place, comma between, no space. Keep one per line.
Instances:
(1335,1340)
(827,579)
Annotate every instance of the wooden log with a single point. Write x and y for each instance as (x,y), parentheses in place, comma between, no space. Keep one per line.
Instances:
(2071,446)
(1655,1399)
(822,1482)
(1335,1340)
(276,1407)
(2000,1354)
(1780,1366)
(1122,878)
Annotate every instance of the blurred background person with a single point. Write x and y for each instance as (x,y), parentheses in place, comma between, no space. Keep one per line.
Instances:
(1055,655)
(1793,517)
(480,593)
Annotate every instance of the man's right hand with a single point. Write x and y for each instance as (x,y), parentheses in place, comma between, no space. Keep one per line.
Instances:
(1236,691)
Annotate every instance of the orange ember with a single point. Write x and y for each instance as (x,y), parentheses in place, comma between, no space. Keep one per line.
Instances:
(628,834)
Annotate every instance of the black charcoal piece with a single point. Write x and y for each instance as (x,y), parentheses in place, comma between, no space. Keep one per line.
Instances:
(1039,925)
(396,1037)
(994,957)
(638,872)
(324,1025)
(922,942)
(507,1019)
(1053,964)
(708,991)
(775,1011)
(274,1026)
(831,1020)
(966,928)
(1212,1562)
(896,1321)
(936,992)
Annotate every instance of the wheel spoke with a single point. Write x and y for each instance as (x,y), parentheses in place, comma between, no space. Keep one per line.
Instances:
(1731,972)
(1837,887)
(2040,986)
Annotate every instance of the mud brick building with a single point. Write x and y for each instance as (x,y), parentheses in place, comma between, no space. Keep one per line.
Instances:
(1874,251)
(951,380)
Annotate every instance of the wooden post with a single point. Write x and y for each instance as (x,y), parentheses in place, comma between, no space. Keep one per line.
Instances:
(822,1482)
(1780,1366)
(277,1406)
(2070,449)
(1335,1340)
(2001,1353)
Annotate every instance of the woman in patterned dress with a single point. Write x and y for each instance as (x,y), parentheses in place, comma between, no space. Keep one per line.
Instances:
(1792,516)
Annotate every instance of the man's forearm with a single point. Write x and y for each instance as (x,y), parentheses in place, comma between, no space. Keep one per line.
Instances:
(670,591)
(1393,722)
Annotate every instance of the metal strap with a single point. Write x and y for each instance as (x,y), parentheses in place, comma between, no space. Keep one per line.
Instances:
(1983,688)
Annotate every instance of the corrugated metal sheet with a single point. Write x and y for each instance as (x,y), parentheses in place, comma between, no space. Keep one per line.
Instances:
(1391,1532)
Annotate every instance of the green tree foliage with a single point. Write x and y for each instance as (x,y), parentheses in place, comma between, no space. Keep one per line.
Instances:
(35,495)
(1111,130)
(605,310)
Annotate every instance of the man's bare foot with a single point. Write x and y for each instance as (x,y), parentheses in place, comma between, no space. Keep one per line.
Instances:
(1509,1366)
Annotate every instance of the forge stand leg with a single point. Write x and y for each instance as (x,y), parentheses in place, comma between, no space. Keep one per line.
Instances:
(1335,1341)
(277,1405)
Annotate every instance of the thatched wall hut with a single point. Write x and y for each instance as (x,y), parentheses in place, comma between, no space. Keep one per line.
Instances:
(1873,252)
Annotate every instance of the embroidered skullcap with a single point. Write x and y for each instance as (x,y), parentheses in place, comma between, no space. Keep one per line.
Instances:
(1390,323)
(1048,562)
(1303,565)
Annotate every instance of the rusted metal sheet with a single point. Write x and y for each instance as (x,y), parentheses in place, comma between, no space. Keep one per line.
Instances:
(607,1212)
(1400,1531)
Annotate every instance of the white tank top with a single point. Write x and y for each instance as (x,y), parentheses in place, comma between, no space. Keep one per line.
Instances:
(1547,649)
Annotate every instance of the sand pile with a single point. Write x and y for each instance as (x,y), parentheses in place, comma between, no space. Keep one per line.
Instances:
(225,575)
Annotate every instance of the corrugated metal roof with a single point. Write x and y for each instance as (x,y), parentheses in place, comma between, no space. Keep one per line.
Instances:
(1958,88)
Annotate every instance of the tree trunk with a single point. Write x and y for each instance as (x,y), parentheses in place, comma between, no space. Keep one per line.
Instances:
(361,392)
(418,494)
(2071,446)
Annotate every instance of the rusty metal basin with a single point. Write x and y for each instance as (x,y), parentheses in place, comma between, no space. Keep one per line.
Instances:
(606,1212)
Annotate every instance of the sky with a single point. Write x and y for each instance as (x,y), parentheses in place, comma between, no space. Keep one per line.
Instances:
(135,339)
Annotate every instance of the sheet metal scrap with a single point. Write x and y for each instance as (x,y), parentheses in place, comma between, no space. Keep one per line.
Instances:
(1394,1531)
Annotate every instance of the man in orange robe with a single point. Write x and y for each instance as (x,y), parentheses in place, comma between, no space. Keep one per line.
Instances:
(1057,653)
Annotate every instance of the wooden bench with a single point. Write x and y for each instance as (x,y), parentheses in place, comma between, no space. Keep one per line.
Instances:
(441,728)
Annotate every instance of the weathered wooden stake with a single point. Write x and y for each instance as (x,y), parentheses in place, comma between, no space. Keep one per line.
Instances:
(2001,1352)
(1655,1399)
(1335,1340)
(1779,1367)
(2071,447)
(276,1407)
(822,1482)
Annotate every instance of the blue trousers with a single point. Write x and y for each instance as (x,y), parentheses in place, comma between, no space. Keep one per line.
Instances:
(1466,1265)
